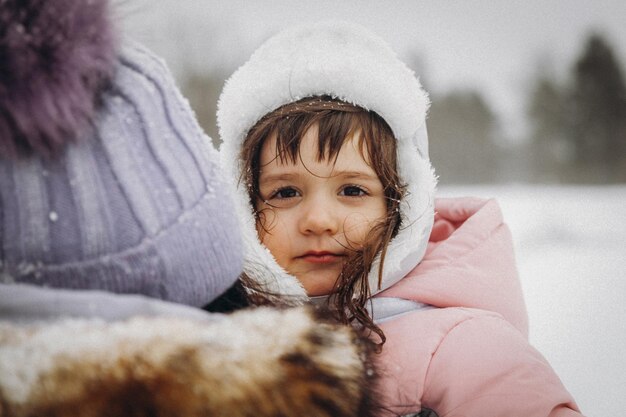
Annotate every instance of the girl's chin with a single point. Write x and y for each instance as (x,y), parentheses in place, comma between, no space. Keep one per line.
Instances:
(318,283)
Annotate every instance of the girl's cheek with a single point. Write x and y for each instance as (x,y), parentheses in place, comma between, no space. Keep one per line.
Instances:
(356,227)
(266,221)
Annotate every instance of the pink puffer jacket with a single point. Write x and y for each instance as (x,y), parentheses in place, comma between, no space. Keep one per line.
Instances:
(471,356)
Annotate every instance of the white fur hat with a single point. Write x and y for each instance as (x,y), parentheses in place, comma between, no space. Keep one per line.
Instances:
(348,62)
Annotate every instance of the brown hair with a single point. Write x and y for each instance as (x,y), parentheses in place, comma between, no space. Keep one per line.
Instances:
(336,121)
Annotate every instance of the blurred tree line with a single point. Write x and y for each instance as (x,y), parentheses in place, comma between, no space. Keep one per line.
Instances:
(577,126)
(580,126)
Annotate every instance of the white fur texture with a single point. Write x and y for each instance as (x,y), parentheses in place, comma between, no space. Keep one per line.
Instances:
(348,62)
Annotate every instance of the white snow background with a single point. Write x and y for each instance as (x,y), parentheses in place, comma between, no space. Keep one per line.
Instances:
(570,244)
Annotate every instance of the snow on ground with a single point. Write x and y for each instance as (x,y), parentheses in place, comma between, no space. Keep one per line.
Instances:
(571,252)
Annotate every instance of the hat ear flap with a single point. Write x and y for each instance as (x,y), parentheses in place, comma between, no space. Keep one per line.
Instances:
(55,58)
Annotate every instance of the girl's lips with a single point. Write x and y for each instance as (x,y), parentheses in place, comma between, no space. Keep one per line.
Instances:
(321,257)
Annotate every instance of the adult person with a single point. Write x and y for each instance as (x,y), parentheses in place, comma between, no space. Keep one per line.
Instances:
(115,227)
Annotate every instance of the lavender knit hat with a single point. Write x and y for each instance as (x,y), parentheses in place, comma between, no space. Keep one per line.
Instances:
(106,180)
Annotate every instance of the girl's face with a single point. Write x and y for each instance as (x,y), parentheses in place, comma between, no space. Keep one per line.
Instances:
(313,214)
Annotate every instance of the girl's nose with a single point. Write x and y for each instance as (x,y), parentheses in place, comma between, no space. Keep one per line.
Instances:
(318,217)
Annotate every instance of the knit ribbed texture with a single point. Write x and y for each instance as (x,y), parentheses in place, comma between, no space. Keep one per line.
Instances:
(136,205)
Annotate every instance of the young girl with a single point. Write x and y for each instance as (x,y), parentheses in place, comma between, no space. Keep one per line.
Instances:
(324,137)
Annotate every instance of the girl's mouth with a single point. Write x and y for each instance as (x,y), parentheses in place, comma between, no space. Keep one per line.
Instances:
(321,257)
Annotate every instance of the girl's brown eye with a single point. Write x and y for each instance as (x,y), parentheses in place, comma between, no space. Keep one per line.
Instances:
(285,193)
(353,191)
(283,198)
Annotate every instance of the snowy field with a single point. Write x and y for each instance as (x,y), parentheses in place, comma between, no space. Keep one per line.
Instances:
(571,253)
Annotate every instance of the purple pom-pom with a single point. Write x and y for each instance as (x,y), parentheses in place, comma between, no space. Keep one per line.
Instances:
(55,56)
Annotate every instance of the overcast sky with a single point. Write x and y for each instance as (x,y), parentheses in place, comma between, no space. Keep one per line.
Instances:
(495,46)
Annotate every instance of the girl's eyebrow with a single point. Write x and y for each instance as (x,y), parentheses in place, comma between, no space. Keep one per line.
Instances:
(284,176)
(355,175)
(291,176)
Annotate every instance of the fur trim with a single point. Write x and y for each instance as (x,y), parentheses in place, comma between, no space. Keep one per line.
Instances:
(56,55)
(346,61)
(253,363)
